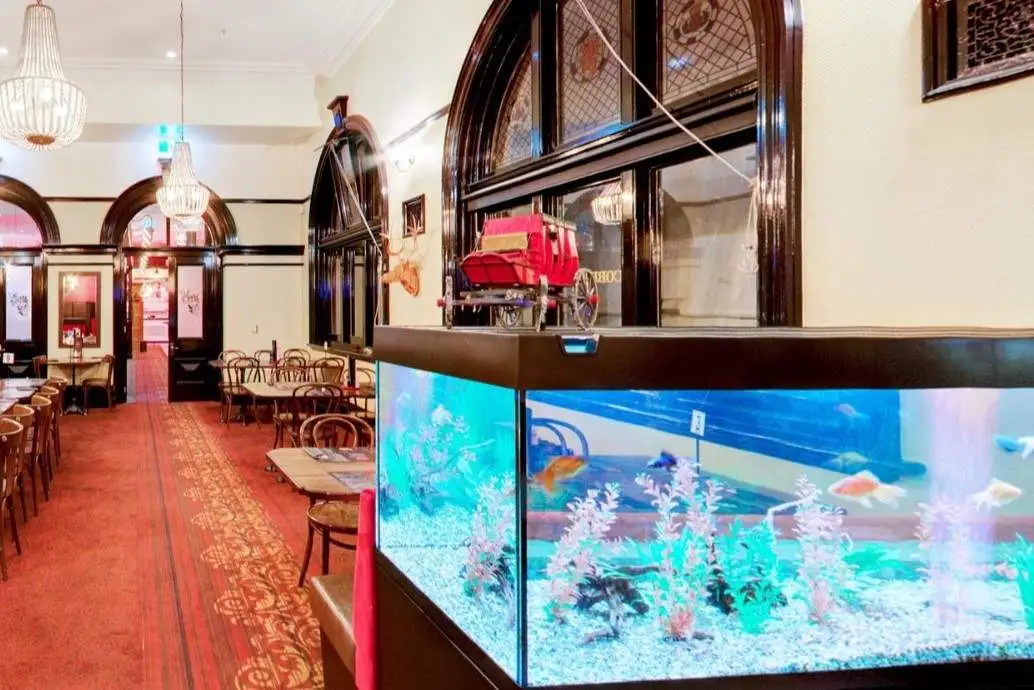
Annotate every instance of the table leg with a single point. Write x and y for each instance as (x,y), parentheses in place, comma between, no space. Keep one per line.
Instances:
(73,408)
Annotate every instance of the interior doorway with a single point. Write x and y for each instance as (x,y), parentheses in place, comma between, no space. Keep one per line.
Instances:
(168,290)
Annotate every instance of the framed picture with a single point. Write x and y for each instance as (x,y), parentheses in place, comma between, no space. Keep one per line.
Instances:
(413,216)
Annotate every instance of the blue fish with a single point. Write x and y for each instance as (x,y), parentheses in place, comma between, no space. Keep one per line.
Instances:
(664,461)
(1009,444)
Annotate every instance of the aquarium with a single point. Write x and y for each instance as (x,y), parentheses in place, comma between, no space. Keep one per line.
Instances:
(661,534)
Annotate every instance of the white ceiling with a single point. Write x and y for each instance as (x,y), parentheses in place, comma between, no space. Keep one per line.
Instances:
(311,35)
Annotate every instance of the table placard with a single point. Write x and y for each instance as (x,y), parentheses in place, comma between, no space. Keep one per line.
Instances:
(339,454)
(356,481)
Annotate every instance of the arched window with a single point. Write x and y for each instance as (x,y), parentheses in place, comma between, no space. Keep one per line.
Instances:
(150,228)
(344,255)
(544,119)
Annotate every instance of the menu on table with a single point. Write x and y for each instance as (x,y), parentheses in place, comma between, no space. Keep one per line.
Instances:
(339,454)
(356,480)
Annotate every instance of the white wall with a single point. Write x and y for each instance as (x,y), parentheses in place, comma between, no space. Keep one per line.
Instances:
(913,213)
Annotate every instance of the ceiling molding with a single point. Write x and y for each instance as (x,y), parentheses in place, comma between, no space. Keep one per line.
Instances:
(335,58)
(228,67)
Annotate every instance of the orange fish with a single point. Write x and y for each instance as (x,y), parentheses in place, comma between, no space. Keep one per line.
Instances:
(560,469)
(864,488)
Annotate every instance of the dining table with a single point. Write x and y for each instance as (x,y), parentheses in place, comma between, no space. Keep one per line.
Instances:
(326,474)
(74,364)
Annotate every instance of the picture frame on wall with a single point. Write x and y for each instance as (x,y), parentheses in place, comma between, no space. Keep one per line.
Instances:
(414,216)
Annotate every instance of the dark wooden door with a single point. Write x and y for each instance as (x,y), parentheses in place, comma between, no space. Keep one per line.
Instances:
(195,325)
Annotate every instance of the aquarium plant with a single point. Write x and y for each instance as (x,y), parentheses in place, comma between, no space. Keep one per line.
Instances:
(824,571)
(1022,562)
(583,550)
(490,552)
(685,531)
(945,539)
(747,574)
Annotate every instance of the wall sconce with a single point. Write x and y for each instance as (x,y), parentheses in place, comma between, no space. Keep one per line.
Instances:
(404,161)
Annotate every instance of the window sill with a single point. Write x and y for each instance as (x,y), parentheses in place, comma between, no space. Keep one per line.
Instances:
(344,350)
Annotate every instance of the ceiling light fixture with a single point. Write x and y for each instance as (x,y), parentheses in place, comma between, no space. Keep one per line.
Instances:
(171,54)
(4,50)
(182,195)
(39,108)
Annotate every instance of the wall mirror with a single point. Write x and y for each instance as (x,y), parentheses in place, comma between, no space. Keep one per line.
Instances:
(80,308)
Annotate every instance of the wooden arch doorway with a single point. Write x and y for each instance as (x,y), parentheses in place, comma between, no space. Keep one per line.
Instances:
(27,227)
(172,264)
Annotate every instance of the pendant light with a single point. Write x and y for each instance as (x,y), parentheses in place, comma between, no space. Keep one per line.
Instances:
(39,108)
(182,196)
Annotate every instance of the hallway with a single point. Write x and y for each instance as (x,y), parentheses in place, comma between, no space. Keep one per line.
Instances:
(166,558)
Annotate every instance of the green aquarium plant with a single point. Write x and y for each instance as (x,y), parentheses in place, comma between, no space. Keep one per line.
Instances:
(747,574)
(1023,561)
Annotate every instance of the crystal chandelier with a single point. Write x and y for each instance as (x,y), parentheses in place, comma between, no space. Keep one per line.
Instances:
(39,108)
(182,196)
(606,208)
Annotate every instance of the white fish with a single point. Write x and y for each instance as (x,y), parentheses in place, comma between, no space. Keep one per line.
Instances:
(440,416)
(996,495)
(1028,444)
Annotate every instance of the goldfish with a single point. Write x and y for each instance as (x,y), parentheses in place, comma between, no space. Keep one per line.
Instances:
(996,495)
(849,411)
(864,488)
(664,461)
(848,462)
(560,469)
(440,416)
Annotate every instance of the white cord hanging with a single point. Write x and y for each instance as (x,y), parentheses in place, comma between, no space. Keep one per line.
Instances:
(749,260)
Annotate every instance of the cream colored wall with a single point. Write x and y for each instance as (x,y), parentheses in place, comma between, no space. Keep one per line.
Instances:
(56,265)
(913,213)
(261,303)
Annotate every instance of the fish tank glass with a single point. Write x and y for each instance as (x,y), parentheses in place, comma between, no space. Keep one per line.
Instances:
(685,534)
(447,500)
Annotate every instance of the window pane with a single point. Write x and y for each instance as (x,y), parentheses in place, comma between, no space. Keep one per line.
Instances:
(513,138)
(706,273)
(337,291)
(18,284)
(17,228)
(590,79)
(596,213)
(358,295)
(706,43)
(190,295)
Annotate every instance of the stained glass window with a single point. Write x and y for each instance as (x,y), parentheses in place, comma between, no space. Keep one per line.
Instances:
(590,79)
(706,43)
(994,35)
(514,136)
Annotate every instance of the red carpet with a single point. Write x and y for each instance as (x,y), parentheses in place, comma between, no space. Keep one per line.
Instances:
(166,558)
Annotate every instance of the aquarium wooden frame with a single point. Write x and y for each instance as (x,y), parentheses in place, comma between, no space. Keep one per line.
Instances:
(745,359)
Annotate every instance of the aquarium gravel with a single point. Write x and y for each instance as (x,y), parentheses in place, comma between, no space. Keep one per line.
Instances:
(893,626)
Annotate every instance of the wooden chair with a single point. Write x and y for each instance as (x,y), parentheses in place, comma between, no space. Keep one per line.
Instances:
(54,428)
(329,370)
(298,352)
(364,379)
(61,386)
(306,400)
(43,448)
(105,382)
(331,519)
(12,448)
(26,416)
(239,372)
(230,355)
(267,362)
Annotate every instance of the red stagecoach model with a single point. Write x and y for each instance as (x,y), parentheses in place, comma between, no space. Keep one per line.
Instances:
(525,262)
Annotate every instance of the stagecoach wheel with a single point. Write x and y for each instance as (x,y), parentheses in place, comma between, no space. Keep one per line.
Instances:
(509,316)
(541,308)
(585,299)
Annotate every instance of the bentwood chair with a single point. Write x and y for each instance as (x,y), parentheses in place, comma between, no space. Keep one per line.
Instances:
(337,522)
(43,449)
(329,370)
(105,382)
(52,429)
(239,373)
(61,386)
(12,448)
(26,416)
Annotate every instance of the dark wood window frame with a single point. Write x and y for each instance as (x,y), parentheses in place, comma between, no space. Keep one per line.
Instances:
(941,45)
(19,194)
(331,236)
(769,106)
